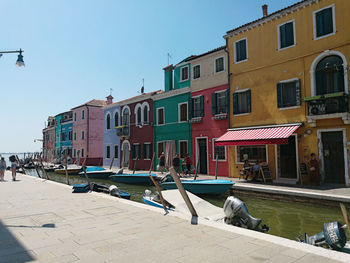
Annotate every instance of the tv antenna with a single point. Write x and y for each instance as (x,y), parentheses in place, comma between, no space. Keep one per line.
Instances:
(169,57)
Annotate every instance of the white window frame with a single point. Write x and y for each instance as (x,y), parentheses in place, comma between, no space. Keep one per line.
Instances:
(287,81)
(179,112)
(234,48)
(179,145)
(199,71)
(110,120)
(114,112)
(137,143)
(241,91)
(188,71)
(213,151)
(314,21)
(144,104)
(137,107)
(149,143)
(236,153)
(279,37)
(158,116)
(215,65)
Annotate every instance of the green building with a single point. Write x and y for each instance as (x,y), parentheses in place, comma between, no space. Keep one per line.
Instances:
(58,118)
(172,129)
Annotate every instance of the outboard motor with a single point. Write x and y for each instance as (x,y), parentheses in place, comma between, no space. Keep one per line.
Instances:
(333,236)
(237,214)
(114,190)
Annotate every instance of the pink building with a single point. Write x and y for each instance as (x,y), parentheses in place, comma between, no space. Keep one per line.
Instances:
(49,138)
(88,121)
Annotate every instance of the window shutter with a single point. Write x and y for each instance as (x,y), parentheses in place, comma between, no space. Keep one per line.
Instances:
(279,95)
(190,109)
(213,103)
(249,107)
(244,49)
(238,51)
(289,34)
(282,36)
(150,151)
(235,103)
(144,151)
(202,105)
(298,92)
(227,106)
(133,151)
(319,24)
(328,21)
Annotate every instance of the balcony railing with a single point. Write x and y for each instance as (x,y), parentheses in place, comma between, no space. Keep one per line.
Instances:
(122,131)
(327,104)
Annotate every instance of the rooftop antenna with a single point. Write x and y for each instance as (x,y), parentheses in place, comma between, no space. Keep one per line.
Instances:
(143,86)
(169,57)
(110,91)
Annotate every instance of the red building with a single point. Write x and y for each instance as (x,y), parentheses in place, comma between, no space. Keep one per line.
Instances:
(209,108)
(136,131)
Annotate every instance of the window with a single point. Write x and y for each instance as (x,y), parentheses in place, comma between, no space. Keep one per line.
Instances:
(83,115)
(324,23)
(241,50)
(160,116)
(108,120)
(116,119)
(241,102)
(288,94)
(82,152)
(108,152)
(116,151)
(219,102)
(183,149)
(70,135)
(147,151)
(160,148)
(197,107)
(75,136)
(183,112)
(251,153)
(196,72)
(138,116)
(145,114)
(184,73)
(63,136)
(82,135)
(75,116)
(74,153)
(286,35)
(126,120)
(219,65)
(219,151)
(136,151)
(329,75)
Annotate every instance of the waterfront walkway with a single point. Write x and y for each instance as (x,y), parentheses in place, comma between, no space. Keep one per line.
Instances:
(43,221)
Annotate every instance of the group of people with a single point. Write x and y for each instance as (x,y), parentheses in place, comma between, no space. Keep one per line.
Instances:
(3,166)
(252,170)
(187,163)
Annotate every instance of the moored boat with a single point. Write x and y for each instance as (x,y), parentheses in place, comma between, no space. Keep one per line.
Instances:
(112,190)
(97,172)
(141,178)
(154,200)
(213,187)
(71,169)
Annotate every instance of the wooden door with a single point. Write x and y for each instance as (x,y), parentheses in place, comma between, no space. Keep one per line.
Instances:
(203,154)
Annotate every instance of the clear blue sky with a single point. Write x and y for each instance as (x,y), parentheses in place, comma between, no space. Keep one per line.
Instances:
(76,50)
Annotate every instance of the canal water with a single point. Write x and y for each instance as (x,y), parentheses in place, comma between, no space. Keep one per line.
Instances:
(285,219)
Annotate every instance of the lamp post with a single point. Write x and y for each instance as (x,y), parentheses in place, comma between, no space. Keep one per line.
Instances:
(19,62)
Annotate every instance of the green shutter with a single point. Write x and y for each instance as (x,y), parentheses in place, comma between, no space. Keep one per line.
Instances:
(244,49)
(289,34)
(144,151)
(298,92)
(238,51)
(279,95)
(190,109)
(328,21)
(235,103)
(227,100)
(133,154)
(213,103)
(282,36)
(249,107)
(202,105)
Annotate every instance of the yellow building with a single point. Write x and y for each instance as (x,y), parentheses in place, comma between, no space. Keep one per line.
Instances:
(290,68)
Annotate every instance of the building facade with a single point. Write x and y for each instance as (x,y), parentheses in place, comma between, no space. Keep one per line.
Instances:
(111,142)
(290,68)
(49,140)
(66,133)
(209,105)
(58,120)
(88,123)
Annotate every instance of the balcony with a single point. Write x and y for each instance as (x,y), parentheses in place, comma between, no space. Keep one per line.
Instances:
(122,131)
(334,105)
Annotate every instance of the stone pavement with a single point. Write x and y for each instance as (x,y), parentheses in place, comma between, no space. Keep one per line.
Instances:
(43,221)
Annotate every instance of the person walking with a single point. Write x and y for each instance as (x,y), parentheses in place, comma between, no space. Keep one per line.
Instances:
(2,168)
(188,163)
(176,163)
(13,169)
(162,162)
(314,169)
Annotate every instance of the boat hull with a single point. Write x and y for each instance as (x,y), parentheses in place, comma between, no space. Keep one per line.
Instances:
(69,171)
(212,187)
(149,201)
(96,175)
(142,179)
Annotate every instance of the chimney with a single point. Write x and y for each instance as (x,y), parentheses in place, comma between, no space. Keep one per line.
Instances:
(264,8)
(109,99)
(168,77)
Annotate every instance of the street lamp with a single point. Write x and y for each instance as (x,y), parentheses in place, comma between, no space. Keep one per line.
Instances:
(19,62)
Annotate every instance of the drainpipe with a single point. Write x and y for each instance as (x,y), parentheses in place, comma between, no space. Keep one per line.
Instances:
(228,80)
(87,133)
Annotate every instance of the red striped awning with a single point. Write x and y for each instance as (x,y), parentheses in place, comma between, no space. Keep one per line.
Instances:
(257,136)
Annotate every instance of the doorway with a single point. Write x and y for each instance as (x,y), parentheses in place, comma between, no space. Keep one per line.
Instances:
(287,159)
(202,151)
(332,151)
(126,154)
